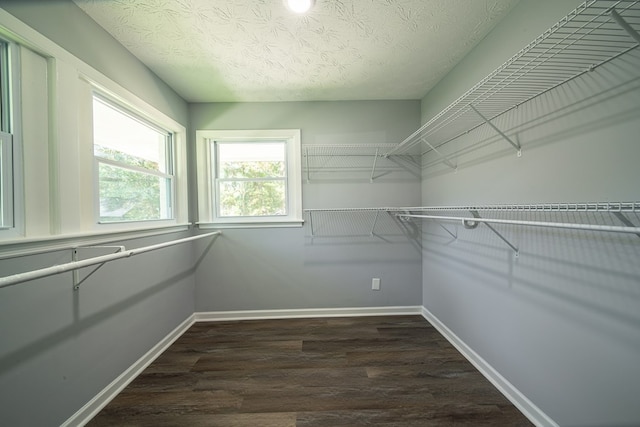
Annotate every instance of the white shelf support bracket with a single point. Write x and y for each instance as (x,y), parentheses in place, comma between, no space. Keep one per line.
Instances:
(515,144)
(375,161)
(444,158)
(455,236)
(625,25)
(375,221)
(76,273)
(470,225)
(623,219)
(306,152)
(311,224)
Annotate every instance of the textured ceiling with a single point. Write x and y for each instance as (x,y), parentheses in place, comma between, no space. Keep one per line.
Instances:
(256,50)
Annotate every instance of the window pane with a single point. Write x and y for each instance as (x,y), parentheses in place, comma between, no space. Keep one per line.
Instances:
(127,195)
(4,88)
(2,185)
(251,160)
(118,136)
(252,198)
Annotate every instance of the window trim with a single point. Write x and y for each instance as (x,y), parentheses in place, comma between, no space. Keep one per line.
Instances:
(58,149)
(6,182)
(171,167)
(10,128)
(207,210)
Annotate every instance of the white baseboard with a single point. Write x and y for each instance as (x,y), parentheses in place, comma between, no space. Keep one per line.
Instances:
(519,400)
(215,316)
(89,410)
(95,405)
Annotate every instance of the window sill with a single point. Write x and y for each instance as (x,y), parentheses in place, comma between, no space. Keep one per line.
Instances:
(34,245)
(269,224)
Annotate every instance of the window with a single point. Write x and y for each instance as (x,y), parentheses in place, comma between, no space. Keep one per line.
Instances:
(249,177)
(6,181)
(134,165)
(7,155)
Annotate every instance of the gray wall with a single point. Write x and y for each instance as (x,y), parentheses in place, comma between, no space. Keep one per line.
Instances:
(59,348)
(561,322)
(286,268)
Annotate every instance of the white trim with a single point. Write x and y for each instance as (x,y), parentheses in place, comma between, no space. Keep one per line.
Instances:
(519,400)
(95,405)
(274,224)
(64,127)
(205,173)
(32,246)
(216,316)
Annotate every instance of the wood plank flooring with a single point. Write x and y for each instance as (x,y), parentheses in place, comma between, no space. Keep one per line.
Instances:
(330,372)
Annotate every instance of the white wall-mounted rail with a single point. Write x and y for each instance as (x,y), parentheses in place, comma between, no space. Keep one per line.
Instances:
(595,33)
(75,265)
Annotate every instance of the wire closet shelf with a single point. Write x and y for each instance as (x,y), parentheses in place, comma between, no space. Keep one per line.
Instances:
(595,33)
(470,215)
(369,158)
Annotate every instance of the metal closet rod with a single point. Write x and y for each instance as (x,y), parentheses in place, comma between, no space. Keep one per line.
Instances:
(75,265)
(545,207)
(565,225)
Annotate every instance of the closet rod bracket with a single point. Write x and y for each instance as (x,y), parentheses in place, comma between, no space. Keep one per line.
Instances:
(74,257)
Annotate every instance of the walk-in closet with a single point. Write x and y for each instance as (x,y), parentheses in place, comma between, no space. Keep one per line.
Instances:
(401,212)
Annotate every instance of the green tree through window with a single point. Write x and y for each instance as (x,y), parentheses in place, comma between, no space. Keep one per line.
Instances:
(252,179)
(128,195)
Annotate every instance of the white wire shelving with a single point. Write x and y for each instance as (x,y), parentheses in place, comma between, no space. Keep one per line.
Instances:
(369,160)
(549,215)
(594,34)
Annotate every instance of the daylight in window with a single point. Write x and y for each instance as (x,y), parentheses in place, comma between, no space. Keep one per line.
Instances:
(134,166)
(251,179)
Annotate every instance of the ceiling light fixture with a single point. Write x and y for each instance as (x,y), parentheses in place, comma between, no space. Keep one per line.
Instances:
(299,6)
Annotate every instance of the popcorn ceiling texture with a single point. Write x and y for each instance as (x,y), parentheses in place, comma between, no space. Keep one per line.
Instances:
(256,50)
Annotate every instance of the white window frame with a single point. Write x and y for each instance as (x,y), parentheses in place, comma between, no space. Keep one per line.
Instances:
(170,167)
(12,202)
(6,181)
(53,185)
(207,199)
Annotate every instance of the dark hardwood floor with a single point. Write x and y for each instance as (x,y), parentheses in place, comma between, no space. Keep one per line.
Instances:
(330,372)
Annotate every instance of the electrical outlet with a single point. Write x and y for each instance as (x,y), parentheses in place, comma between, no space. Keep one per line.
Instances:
(375,284)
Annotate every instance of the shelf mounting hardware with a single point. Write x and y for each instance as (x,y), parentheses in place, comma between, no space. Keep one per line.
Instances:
(474,224)
(306,150)
(311,224)
(623,219)
(515,144)
(375,160)
(444,158)
(455,236)
(375,221)
(625,25)
(74,257)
